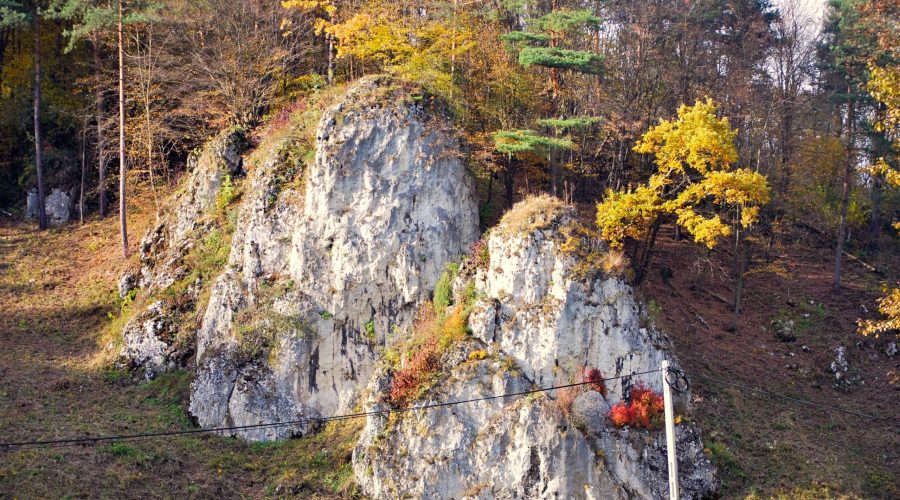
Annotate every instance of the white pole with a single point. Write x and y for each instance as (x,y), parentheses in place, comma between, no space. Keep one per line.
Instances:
(670,434)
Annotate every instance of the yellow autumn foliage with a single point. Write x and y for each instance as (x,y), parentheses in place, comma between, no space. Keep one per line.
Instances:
(323,10)
(411,48)
(889,306)
(694,182)
(884,86)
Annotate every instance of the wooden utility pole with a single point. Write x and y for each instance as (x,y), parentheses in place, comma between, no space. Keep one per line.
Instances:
(122,224)
(670,433)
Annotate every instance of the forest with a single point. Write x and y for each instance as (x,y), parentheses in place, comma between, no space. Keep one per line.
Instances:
(552,98)
(739,138)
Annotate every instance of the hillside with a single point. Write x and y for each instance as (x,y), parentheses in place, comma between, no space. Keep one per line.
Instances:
(66,383)
(431,249)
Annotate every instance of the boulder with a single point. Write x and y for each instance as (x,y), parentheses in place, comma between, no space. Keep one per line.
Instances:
(58,206)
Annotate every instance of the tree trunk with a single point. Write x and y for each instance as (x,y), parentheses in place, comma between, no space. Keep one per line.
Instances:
(101,135)
(509,185)
(122,224)
(787,123)
(38,160)
(739,289)
(83,161)
(646,254)
(329,46)
(873,245)
(845,197)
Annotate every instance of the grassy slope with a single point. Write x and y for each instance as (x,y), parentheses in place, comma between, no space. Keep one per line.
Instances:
(56,295)
(768,445)
(57,291)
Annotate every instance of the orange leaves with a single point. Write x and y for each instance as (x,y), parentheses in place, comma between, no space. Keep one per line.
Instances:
(595,379)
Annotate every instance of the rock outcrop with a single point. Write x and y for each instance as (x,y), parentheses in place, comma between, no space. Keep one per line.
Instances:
(58,206)
(155,339)
(331,266)
(549,320)
(328,262)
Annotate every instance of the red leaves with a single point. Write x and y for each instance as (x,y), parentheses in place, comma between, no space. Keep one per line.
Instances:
(593,377)
(643,409)
(423,365)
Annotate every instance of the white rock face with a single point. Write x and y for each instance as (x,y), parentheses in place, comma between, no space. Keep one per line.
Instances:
(387,205)
(553,325)
(149,339)
(500,448)
(535,310)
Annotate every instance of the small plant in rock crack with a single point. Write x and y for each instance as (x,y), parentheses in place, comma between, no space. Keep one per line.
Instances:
(642,410)
(594,379)
(423,365)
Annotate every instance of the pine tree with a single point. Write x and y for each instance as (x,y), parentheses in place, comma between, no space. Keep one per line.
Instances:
(90,19)
(543,44)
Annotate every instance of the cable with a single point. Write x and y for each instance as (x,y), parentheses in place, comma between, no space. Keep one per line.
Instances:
(129,437)
(798,400)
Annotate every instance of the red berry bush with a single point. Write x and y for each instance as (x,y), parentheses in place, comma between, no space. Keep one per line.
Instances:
(643,409)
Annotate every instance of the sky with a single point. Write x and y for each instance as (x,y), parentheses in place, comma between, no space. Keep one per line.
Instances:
(814,8)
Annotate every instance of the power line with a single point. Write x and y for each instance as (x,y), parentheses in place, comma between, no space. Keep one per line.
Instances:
(798,400)
(129,437)
(148,435)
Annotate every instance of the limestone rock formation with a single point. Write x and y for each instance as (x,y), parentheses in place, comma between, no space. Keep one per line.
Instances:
(151,339)
(58,206)
(327,263)
(543,320)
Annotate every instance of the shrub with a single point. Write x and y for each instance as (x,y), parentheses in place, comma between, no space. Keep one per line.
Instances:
(480,254)
(478,355)
(227,193)
(424,364)
(443,292)
(642,410)
(593,377)
(565,397)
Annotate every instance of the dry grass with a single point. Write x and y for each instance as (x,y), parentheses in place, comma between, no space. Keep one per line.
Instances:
(57,290)
(531,214)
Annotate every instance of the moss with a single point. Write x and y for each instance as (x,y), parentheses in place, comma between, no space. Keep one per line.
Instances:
(257,326)
(725,461)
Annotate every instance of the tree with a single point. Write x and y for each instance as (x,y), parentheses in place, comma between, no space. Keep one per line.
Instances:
(694,185)
(325,12)
(418,47)
(844,61)
(792,62)
(542,45)
(15,14)
(91,19)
